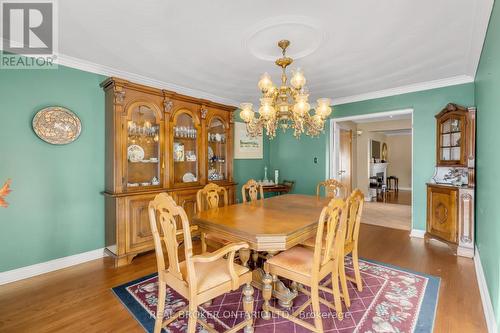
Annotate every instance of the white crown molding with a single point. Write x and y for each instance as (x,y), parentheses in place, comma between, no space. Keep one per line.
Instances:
(489,313)
(375,115)
(452,81)
(482,16)
(88,66)
(49,266)
(417,233)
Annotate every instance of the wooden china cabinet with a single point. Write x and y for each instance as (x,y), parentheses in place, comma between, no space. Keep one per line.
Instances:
(450,194)
(159,141)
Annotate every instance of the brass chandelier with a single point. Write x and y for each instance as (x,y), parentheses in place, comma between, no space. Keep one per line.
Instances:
(286,106)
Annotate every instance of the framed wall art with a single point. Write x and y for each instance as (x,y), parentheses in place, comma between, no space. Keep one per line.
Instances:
(246,146)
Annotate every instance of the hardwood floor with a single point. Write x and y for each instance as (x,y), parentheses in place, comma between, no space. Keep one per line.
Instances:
(79,299)
(401,197)
(387,215)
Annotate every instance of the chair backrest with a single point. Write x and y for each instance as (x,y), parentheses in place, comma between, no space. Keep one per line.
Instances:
(333,188)
(355,203)
(253,189)
(289,183)
(330,235)
(163,210)
(210,197)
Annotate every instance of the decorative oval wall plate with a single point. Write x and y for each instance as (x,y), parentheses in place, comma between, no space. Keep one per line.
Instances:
(57,125)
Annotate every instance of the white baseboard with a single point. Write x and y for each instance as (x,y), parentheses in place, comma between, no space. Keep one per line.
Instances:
(405,188)
(49,266)
(489,314)
(417,233)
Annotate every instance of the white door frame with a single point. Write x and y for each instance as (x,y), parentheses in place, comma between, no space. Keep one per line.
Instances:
(332,163)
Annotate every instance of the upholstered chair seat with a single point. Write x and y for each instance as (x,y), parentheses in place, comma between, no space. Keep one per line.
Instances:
(213,274)
(297,259)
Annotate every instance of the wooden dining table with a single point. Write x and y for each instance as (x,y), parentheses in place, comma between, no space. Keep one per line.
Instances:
(269,226)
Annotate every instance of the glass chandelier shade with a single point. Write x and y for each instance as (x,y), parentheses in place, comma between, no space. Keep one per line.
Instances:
(286,106)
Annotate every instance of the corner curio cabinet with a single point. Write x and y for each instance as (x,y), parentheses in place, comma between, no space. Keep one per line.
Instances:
(159,141)
(450,193)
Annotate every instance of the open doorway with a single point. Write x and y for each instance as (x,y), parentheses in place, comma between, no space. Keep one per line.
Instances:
(373,152)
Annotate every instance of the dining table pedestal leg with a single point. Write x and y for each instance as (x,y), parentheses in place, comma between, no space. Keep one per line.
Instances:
(267,289)
(280,291)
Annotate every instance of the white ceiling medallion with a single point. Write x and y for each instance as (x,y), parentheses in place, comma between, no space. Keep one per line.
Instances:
(306,34)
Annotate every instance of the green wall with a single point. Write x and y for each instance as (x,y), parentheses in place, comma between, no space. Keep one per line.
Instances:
(55,206)
(295,158)
(488,159)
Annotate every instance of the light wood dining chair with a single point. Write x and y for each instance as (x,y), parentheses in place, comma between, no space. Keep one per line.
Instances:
(199,278)
(333,189)
(210,197)
(253,190)
(354,203)
(307,266)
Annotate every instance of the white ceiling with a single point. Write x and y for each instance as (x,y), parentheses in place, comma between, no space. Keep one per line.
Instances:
(349,50)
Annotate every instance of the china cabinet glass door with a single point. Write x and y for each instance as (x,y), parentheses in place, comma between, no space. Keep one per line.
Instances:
(143,148)
(185,149)
(451,140)
(216,159)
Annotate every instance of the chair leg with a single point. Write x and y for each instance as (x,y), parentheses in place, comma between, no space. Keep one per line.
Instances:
(203,243)
(248,307)
(244,256)
(355,265)
(192,317)
(318,322)
(336,293)
(267,290)
(160,306)
(255,258)
(343,283)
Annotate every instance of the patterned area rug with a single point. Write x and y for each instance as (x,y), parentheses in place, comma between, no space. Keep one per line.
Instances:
(393,300)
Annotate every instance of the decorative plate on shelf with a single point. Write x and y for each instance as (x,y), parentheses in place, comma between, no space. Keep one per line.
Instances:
(135,153)
(210,153)
(188,177)
(57,125)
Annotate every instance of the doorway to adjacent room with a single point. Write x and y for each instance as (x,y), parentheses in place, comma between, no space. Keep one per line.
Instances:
(373,152)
